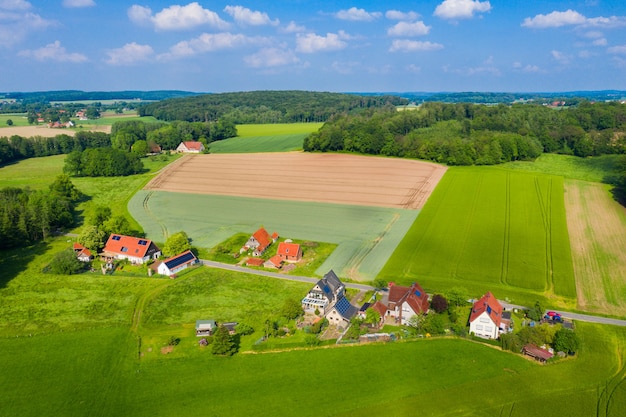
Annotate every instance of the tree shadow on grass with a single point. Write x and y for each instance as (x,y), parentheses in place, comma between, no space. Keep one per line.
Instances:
(15,261)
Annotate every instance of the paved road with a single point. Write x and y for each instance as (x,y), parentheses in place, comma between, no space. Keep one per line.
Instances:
(574,316)
(237,268)
(363,287)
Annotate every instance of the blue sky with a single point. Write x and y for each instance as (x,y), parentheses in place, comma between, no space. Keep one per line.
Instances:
(343,46)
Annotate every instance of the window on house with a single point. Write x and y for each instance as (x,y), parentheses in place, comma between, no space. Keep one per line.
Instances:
(124,249)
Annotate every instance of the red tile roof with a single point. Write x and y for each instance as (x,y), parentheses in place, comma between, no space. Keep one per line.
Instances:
(263,238)
(380,307)
(193,145)
(276,261)
(488,303)
(414,295)
(288,249)
(81,250)
(255,262)
(127,245)
(537,352)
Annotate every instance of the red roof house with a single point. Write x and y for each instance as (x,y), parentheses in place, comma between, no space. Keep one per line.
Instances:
(537,353)
(259,241)
(136,250)
(274,262)
(405,302)
(82,253)
(486,317)
(289,252)
(190,147)
(254,262)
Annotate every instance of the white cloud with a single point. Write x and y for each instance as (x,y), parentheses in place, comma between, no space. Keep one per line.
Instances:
(209,42)
(408,29)
(413,69)
(14,5)
(526,68)
(461,9)
(176,17)
(246,16)
(600,42)
(78,3)
(555,19)
(311,42)
(354,14)
(620,49)
(16,24)
(606,22)
(560,56)
(405,45)
(271,57)
(129,54)
(398,15)
(292,27)
(53,52)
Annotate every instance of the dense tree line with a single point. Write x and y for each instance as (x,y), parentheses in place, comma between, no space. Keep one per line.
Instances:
(17,147)
(466,134)
(265,106)
(102,162)
(482,97)
(169,135)
(28,216)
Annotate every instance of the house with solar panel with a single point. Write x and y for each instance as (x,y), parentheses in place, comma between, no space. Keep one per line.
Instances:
(324,294)
(405,302)
(486,317)
(177,263)
(341,313)
(136,250)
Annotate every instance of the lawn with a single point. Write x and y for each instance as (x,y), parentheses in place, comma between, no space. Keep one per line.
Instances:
(282,137)
(18,119)
(486,228)
(365,236)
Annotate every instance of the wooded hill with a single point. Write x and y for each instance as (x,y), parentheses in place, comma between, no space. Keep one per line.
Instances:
(265,106)
(466,134)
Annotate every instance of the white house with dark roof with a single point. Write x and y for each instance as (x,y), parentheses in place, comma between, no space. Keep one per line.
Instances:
(341,313)
(324,294)
(177,263)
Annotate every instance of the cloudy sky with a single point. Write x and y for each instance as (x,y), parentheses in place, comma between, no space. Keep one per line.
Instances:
(344,46)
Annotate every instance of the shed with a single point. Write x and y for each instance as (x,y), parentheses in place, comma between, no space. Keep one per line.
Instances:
(537,353)
(205,327)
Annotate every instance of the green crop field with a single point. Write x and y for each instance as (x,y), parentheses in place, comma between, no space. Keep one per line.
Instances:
(366,235)
(266,138)
(597,169)
(18,119)
(488,228)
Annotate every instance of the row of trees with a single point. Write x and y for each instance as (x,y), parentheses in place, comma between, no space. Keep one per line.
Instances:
(265,106)
(465,134)
(27,216)
(17,147)
(168,135)
(102,162)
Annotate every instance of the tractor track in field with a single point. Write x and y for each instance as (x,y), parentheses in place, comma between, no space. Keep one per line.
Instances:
(146,208)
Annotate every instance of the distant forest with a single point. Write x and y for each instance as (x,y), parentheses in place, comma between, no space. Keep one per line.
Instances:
(266,106)
(77,95)
(467,134)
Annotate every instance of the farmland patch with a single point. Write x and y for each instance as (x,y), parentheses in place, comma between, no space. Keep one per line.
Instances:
(330,178)
(597,226)
(489,227)
(211,219)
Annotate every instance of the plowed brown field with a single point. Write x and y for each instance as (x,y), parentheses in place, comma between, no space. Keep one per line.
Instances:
(332,178)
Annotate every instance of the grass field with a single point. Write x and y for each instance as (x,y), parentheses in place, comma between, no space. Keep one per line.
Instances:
(18,119)
(597,227)
(211,219)
(596,169)
(490,229)
(266,138)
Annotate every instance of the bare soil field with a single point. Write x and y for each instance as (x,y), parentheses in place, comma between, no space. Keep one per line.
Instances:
(329,178)
(45,131)
(597,229)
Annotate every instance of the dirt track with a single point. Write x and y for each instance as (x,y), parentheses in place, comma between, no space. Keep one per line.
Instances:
(333,178)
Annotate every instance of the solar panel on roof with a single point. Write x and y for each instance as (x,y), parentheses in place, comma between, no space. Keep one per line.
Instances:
(419,294)
(116,237)
(488,309)
(143,242)
(180,260)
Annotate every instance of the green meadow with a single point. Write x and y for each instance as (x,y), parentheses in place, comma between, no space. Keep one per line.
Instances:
(487,228)
(266,138)
(18,119)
